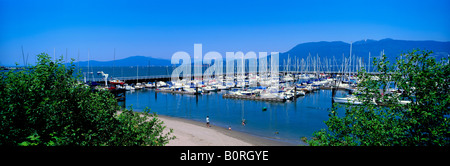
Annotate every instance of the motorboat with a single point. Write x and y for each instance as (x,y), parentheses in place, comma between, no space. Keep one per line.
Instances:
(128,87)
(190,90)
(149,85)
(209,89)
(161,84)
(287,95)
(116,82)
(193,90)
(349,99)
(352,99)
(138,86)
(307,88)
(221,87)
(247,92)
(299,92)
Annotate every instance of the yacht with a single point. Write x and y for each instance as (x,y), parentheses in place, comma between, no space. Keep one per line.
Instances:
(116,82)
(349,99)
(209,89)
(138,86)
(128,87)
(161,84)
(221,87)
(149,85)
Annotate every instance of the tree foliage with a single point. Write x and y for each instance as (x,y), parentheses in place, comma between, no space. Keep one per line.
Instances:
(382,120)
(46,105)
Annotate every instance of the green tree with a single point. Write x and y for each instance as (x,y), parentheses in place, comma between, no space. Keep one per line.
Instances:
(46,105)
(382,120)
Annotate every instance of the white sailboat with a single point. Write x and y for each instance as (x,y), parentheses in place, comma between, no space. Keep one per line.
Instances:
(349,99)
(138,85)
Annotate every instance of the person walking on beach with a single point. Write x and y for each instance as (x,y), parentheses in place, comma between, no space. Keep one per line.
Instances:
(207,121)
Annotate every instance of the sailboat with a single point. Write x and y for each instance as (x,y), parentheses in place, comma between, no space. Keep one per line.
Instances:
(138,84)
(88,71)
(115,81)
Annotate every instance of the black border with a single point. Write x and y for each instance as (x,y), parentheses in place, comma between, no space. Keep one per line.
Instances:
(172,154)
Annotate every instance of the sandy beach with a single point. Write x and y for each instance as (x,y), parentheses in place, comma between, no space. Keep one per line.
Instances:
(194,133)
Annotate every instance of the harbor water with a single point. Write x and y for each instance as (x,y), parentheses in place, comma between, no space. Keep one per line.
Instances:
(283,121)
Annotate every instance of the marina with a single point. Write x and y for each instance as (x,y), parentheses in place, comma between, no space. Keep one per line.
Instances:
(286,109)
(287,105)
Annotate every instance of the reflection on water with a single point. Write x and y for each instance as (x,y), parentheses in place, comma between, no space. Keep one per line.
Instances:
(286,121)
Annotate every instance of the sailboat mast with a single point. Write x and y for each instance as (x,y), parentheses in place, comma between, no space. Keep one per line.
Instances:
(88,71)
(137,73)
(243,70)
(342,68)
(92,74)
(114,63)
(288,62)
(350,60)
(65,61)
(369,63)
(78,59)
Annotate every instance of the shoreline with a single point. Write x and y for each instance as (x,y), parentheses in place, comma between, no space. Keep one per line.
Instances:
(195,133)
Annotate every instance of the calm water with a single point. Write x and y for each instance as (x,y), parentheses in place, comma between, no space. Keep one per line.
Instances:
(290,120)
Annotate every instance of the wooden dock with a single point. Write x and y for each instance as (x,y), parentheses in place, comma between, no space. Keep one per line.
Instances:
(119,94)
(253,98)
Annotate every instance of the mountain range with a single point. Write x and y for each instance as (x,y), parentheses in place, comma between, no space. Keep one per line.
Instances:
(392,49)
(337,49)
(129,61)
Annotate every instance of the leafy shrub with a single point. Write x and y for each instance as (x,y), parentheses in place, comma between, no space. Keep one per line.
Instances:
(423,122)
(46,105)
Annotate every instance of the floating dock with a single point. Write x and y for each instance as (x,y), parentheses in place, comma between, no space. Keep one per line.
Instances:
(253,98)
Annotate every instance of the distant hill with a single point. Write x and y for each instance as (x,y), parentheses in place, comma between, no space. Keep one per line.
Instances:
(130,61)
(392,48)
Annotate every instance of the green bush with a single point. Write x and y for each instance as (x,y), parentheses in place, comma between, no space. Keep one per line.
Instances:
(46,105)
(423,122)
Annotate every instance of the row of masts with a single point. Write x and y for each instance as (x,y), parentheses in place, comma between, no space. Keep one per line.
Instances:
(316,64)
(312,64)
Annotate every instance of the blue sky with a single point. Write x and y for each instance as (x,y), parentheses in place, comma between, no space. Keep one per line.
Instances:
(160,28)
